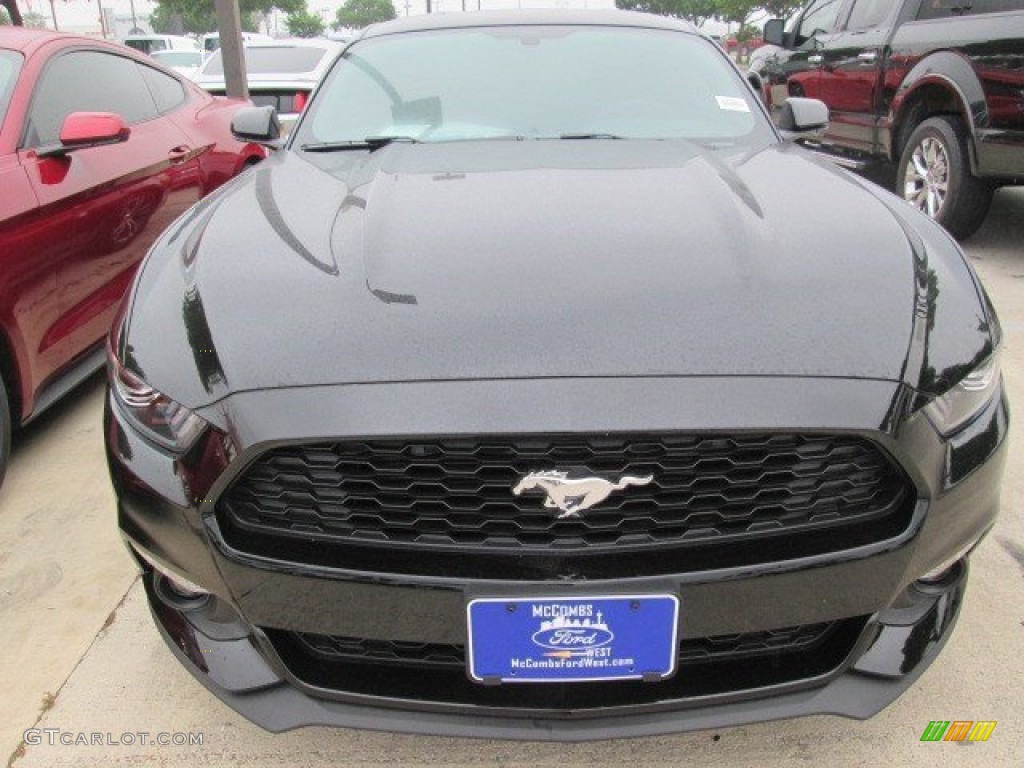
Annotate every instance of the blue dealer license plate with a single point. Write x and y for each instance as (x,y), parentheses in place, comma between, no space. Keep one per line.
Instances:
(566,639)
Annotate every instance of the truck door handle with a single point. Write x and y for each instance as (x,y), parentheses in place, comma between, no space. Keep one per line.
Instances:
(814,58)
(868,57)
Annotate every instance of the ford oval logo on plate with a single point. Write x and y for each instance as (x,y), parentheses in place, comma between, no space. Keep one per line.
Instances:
(572,637)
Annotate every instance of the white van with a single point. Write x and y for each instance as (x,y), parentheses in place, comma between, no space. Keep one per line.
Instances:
(210,42)
(150,43)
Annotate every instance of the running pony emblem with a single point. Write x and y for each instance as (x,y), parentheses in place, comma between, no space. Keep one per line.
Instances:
(573,496)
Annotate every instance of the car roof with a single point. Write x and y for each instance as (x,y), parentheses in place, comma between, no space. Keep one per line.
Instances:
(292,42)
(175,52)
(29,41)
(26,40)
(526,18)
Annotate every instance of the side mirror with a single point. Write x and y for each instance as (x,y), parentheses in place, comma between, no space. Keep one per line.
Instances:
(802,115)
(257,124)
(775,32)
(92,129)
(81,130)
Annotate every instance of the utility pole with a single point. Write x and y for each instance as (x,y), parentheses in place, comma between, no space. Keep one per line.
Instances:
(103,21)
(131,3)
(229,26)
(53,13)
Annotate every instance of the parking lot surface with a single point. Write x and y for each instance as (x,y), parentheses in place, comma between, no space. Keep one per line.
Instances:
(81,658)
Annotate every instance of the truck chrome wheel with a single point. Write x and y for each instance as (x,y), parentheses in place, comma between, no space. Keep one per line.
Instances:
(927,176)
(935,176)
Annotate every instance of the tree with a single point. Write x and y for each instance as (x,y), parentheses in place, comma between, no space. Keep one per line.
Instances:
(4,18)
(198,17)
(357,14)
(694,11)
(170,21)
(738,12)
(782,9)
(13,13)
(33,20)
(303,23)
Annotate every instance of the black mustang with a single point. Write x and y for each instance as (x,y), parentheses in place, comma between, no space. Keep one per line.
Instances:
(538,387)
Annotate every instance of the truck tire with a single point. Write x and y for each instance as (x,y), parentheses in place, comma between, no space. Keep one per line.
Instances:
(5,430)
(935,175)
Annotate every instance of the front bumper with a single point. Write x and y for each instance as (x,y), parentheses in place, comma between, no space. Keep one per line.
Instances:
(894,650)
(231,643)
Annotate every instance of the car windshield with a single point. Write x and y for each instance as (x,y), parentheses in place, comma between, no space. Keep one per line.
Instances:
(533,82)
(272,60)
(10,65)
(179,58)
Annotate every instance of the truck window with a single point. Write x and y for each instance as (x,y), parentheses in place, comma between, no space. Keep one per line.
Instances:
(943,9)
(868,14)
(146,44)
(821,18)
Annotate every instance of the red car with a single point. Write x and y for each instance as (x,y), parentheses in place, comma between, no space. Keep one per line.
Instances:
(100,149)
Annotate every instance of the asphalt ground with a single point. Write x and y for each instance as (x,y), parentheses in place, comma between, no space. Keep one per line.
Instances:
(79,653)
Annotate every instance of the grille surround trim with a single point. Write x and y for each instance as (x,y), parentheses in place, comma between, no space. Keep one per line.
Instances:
(546,561)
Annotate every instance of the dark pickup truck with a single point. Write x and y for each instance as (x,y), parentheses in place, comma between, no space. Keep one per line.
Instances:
(934,86)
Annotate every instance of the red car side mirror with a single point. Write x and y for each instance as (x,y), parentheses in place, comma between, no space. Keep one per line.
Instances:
(82,129)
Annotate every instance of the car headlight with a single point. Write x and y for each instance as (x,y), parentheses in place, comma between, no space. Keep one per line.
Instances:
(962,403)
(164,421)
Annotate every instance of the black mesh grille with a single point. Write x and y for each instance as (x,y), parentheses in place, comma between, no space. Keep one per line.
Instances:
(691,651)
(434,495)
(356,649)
(436,674)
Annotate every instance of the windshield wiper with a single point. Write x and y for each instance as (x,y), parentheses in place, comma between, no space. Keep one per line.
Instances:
(370,142)
(584,136)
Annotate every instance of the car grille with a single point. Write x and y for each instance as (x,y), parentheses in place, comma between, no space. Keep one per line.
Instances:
(436,673)
(691,651)
(399,505)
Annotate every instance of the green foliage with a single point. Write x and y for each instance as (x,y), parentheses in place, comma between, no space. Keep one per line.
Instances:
(694,11)
(737,11)
(747,32)
(5,18)
(782,9)
(699,11)
(197,17)
(361,13)
(33,20)
(303,23)
(168,20)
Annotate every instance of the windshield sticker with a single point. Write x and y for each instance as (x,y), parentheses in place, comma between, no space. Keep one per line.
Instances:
(732,104)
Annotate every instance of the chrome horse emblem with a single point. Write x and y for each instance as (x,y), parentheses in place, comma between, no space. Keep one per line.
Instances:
(573,496)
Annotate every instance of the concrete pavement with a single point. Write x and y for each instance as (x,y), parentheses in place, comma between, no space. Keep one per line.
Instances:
(71,662)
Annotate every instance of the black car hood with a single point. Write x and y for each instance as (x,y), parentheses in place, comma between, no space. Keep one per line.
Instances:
(490,260)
